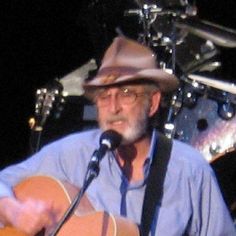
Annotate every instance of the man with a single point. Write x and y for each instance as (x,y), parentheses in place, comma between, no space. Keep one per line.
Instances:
(127,92)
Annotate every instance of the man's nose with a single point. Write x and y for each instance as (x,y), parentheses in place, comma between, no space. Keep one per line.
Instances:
(115,105)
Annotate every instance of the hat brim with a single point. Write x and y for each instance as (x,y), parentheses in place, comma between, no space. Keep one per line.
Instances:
(165,81)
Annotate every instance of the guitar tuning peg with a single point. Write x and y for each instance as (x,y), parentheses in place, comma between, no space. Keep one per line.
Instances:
(31,122)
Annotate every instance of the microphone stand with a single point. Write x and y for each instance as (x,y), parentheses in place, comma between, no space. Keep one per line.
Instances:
(91,173)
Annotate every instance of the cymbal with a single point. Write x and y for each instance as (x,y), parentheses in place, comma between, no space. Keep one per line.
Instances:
(219,35)
(222,85)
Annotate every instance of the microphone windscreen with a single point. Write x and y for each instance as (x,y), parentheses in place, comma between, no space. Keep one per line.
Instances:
(111,139)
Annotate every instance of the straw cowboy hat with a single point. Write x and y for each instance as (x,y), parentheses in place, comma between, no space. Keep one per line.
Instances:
(127,61)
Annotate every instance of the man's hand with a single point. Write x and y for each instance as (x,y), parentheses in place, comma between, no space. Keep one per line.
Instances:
(29,216)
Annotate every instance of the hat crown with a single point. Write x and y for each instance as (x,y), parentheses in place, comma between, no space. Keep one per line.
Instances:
(125,53)
(127,61)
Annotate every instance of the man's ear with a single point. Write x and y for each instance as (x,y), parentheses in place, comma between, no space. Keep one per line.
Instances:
(155,102)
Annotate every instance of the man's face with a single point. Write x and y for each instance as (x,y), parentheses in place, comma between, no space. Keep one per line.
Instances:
(125,109)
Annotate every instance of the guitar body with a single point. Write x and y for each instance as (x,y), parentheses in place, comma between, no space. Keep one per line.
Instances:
(84,222)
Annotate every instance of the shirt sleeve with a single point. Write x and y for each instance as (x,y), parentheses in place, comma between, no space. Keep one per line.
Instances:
(210,214)
(64,159)
(45,162)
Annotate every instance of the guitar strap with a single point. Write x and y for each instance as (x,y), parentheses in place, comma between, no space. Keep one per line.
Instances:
(155,181)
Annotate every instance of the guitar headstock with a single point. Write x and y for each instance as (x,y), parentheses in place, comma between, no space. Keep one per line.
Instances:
(47,98)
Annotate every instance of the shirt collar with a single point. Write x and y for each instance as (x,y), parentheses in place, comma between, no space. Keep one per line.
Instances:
(152,145)
(150,156)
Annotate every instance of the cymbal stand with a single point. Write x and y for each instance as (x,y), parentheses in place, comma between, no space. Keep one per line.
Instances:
(176,100)
(147,15)
(175,106)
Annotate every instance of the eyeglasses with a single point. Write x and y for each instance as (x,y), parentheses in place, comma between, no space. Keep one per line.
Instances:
(125,96)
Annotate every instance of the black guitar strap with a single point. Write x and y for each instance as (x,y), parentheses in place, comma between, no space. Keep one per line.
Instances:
(155,181)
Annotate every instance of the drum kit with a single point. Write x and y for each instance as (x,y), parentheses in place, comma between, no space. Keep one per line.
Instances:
(202,111)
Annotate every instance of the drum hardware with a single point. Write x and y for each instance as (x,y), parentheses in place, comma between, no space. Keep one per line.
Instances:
(191,91)
(185,19)
(209,66)
(226,110)
(196,55)
(190,99)
(147,15)
(204,57)
(175,106)
(215,149)
(219,35)
(226,101)
(157,21)
(214,83)
(174,7)
(175,18)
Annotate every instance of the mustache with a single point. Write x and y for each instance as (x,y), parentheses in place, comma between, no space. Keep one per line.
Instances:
(115,118)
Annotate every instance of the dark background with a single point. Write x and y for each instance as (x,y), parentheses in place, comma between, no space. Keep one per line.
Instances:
(44,40)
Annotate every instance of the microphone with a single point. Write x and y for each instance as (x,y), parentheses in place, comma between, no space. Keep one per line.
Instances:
(109,140)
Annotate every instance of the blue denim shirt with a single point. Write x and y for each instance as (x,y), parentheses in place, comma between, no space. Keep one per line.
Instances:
(192,203)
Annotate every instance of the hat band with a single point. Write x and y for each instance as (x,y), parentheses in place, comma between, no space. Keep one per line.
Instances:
(117,71)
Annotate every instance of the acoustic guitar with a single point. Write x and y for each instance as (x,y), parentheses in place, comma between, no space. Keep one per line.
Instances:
(84,222)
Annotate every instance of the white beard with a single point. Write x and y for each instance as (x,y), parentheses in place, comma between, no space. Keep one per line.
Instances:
(135,130)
